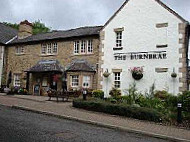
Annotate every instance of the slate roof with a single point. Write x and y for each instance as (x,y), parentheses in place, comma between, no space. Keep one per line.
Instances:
(6,33)
(80,65)
(46,66)
(78,32)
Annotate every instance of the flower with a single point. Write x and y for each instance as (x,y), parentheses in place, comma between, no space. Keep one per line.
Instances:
(136,70)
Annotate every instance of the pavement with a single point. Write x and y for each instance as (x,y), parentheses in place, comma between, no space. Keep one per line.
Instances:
(65,110)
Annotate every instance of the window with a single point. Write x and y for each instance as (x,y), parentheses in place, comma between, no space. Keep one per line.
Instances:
(55,48)
(20,50)
(117,80)
(75,81)
(86,81)
(83,47)
(118,39)
(89,48)
(17,80)
(49,49)
(44,48)
(76,47)
(162,35)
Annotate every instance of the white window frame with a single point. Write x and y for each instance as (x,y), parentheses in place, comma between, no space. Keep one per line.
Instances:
(119,36)
(77,47)
(55,48)
(19,50)
(17,81)
(44,49)
(89,47)
(117,80)
(86,83)
(74,81)
(49,49)
(83,47)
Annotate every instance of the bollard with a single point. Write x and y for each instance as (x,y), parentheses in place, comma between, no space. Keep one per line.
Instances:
(84,94)
(179,114)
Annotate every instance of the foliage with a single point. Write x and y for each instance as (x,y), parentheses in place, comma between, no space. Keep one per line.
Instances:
(161,94)
(115,92)
(185,100)
(132,94)
(98,94)
(136,70)
(119,109)
(38,27)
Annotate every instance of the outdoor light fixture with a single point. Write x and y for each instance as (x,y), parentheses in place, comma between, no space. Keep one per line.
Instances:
(174,75)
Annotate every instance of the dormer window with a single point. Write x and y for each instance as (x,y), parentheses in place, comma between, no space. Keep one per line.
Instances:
(19,50)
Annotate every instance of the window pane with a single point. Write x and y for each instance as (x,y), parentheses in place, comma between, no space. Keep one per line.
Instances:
(49,48)
(118,39)
(117,82)
(90,48)
(55,48)
(17,80)
(75,81)
(83,46)
(43,50)
(86,81)
(76,47)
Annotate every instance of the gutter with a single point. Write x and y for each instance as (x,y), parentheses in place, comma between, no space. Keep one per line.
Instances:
(11,40)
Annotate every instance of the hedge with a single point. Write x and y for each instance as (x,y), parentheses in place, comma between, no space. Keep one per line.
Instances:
(119,109)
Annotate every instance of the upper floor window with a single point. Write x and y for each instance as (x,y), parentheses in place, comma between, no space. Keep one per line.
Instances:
(49,49)
(162,35)
(90,48)
(19,50)
(17,81)
(83,47)
(118,39)
(76,47)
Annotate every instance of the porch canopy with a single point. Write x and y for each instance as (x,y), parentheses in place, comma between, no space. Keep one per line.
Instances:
(46,66)
(80,66)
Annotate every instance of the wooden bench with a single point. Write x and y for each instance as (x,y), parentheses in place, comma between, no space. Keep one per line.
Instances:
(65,95)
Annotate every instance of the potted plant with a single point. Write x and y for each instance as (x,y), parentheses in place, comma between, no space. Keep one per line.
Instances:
(137,73)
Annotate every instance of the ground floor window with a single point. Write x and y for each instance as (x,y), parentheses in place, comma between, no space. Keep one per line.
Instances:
(17,80)
(86,81)
(75,81)
(117,79)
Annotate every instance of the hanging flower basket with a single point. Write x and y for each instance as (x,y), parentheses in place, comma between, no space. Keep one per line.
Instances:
(106,73)
(137,76)
(137,73)
(173,75)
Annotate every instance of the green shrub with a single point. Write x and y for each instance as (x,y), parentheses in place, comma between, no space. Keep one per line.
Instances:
(185,100)
(119,109)
(114,93)
(161,94)
(98,94)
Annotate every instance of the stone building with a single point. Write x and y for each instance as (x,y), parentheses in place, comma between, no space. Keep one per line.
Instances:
(58,59)
(147,37)
(7,34)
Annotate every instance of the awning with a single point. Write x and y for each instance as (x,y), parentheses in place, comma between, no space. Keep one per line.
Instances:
(46,66)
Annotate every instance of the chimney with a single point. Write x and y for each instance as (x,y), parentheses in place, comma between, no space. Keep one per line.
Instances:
(25,29)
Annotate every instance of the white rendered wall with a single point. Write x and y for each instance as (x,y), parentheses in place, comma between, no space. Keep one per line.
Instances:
(139,19)
(1,62)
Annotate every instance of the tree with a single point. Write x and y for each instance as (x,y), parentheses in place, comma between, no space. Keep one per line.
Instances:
(38,27)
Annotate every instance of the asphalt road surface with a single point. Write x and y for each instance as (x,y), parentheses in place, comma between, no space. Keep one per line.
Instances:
(22,126)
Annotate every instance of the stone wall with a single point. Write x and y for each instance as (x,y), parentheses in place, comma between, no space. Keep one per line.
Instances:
(32,54)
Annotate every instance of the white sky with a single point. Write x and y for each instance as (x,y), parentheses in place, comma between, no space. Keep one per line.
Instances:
(66,14)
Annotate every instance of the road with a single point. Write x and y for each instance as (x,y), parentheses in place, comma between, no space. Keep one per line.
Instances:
(22,126)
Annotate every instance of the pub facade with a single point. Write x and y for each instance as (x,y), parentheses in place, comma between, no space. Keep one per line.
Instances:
(146,43)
